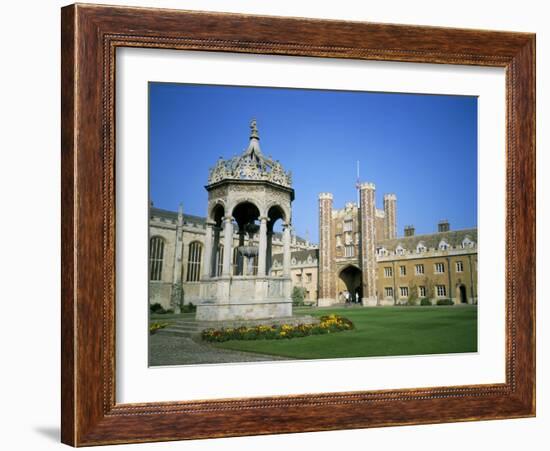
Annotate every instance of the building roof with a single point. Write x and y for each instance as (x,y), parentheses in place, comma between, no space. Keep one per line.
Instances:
(431,241)
(172,216)
(300,256)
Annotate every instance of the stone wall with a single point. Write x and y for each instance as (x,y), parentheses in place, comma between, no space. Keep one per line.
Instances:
(380,224)
(193,229)
(160,292)
(368,262)
(390,217)
(452,278)
(327,286)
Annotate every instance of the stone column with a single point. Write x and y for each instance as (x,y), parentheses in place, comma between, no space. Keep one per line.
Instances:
(368,259)
(215,251)
(207,273)
(262,251)
(227,245)
(239,260)
(269,252)
(286,250)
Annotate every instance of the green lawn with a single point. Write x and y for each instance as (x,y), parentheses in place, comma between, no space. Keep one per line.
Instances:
(383,331)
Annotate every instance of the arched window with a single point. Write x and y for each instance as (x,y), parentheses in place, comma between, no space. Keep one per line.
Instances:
(219,260)
(194,262)
(156,256)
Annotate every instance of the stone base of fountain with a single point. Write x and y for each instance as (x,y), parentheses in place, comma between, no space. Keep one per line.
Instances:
(244,298)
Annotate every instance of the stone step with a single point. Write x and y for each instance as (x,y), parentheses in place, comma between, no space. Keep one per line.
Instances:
(186,327)
(177,332)
(174,325)
(250,323)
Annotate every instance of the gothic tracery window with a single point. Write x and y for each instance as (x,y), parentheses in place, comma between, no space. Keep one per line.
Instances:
(156,256)
(194,262)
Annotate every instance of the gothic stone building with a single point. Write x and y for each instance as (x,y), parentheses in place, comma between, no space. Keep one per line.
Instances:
(359,252)
(231,264)
(177,243)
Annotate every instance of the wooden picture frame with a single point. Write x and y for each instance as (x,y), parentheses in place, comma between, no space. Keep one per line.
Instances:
(90,36)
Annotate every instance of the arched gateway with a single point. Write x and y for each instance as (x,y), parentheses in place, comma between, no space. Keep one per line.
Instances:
(349,281)
(246,196)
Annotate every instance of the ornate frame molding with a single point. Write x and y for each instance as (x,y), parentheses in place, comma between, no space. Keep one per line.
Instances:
(90,36)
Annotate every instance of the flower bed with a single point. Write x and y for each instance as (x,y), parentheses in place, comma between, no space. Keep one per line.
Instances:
(328,324)
(157,326)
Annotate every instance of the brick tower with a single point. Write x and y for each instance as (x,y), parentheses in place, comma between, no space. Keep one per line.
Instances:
(327,282)
(368,260)
(390,217)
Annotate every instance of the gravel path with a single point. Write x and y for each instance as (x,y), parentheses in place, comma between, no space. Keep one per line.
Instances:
(171,350)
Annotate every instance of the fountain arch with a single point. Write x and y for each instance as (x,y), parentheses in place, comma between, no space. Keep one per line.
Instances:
(247,217)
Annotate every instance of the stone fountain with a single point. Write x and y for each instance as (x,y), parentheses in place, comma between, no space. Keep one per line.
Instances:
(248,252)
(247,194)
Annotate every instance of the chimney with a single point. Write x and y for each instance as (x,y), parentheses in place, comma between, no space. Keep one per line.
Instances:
(443,226)
(409,230)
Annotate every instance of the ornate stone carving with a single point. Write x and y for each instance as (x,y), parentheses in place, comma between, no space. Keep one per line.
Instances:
(251,165)
(218,192)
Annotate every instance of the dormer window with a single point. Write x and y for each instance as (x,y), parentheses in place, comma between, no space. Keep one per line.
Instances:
(421,247)
(467,243)
(382,252)
(399,250)
(443,245)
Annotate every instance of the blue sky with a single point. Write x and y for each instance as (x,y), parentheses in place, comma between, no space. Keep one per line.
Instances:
(423,148)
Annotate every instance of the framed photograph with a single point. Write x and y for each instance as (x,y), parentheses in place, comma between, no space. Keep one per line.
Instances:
(278,225)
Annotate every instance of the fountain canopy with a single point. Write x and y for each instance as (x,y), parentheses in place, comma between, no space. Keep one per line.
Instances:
(252,164)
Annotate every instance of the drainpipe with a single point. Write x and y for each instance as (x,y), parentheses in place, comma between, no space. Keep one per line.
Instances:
(471,277)
(394,291)
(450,286)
